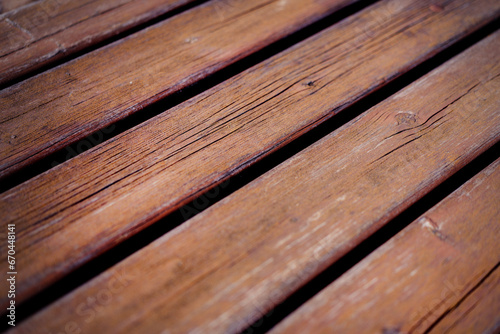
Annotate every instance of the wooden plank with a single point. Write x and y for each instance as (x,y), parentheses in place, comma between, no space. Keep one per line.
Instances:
(223,269)
(409,282)
(69,102)
(478,313)
(45,31)
(8,5)
(149,171)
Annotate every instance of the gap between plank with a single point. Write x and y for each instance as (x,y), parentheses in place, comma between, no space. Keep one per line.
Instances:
(393,227)
(106,41)
(210,196)
(176,98)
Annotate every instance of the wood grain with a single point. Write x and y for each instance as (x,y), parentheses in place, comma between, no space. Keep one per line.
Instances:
(8,5)
(226,267)
(67,103)
(45,31)
(477,313)
(147,172)
(108,193)
(425,270)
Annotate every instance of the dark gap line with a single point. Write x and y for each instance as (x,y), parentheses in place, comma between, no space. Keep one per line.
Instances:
(214,194)
(178,97)
(104,42)
(404,219)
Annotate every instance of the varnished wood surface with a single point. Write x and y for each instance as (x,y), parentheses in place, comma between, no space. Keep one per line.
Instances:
(38,33)
(87,94)
(406,285)
(229,265)
(143,174)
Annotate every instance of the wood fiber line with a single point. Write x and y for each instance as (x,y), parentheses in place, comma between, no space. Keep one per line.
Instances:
(84,206)
(42,32)
(60,106)
(421,273)
(232,263)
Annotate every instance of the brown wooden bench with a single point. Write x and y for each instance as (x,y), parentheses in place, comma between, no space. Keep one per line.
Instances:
(232,166)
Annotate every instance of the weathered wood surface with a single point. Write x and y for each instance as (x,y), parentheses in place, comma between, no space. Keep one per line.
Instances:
(149,171)
(82,96)
(38,34)
(229,265)
(8,5)
(479,312)
(424,271)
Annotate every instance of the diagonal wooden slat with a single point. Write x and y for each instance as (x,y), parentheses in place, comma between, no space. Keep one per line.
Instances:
(229,265)
(421,273)
(37,33)
(67,103)
(83,207)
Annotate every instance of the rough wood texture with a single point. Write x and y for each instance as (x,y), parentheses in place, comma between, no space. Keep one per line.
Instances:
(479,312)
(413,279)
(227,266)
(143,174)
(80,97)
(45,31)
(8,5)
